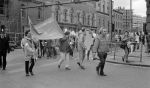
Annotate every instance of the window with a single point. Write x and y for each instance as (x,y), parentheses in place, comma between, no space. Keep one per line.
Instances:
(99,21)
(99,6)
(23,13)
(1,6)
(103,8)
(57,13)
(78,16)
(88,20)
(93,17)
(65,15)
(39,12)
(71,15)
(83,18)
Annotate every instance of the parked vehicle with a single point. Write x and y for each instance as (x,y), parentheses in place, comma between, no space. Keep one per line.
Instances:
(12,45)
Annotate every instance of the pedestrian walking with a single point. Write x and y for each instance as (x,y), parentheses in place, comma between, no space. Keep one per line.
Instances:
(29,50)
(101,47)
(125,40)
(64,51)
(4,48)
(81,48)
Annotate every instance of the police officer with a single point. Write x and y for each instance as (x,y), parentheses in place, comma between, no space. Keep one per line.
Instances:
(4,47)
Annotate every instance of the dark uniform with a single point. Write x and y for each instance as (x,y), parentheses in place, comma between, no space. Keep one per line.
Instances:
(4,48)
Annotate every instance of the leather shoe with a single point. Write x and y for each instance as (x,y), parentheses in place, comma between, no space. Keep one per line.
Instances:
(67,68)
(32,73)
(58,66)
(103,75)
(27,75)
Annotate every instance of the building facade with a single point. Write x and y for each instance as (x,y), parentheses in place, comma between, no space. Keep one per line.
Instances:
(118,21)
(138,22)
(93,15)
(127,18)
(148,16)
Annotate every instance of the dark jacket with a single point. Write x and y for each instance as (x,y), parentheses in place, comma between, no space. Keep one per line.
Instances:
(64,45)
(4,43)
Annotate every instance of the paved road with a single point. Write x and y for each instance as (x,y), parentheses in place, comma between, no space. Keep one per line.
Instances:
(47,75)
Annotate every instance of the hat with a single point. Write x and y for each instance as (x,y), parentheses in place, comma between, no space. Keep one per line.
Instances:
(67,33)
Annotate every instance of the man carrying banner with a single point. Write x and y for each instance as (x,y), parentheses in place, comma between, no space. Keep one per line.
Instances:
(28,48)
(64,50)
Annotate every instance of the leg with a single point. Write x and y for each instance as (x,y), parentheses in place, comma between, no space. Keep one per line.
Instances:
(88,54)
(4,60)
(126,54)
(0,60)
(98,68)
(67,61)
(81,59)
(132,48)
(62,57)
(31,66)
(27,68)
(101,65)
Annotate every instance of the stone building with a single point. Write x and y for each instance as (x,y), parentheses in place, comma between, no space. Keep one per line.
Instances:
(138,22)
(92,14)
(118,21)
(127,18)
(148,16)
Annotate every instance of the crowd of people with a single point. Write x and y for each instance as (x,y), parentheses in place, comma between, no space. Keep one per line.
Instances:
(87,43)
(64,48)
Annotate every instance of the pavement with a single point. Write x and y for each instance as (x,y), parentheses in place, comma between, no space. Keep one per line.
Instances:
(135,59)
(47,74)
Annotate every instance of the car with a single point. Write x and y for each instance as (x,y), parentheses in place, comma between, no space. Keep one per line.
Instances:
(12,45)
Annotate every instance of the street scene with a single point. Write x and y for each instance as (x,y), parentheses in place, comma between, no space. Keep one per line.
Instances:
(48,75)
(74,44)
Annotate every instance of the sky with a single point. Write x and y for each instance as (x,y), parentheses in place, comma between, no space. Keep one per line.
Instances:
(138,6)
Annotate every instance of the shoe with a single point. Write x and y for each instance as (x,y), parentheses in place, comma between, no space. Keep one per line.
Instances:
(97,70)
(127,61)
(78,63)
(95,58)
(4,69)
(82,67)
(67,68)
(123,59)
(27,75)
(58,66)
(103,75)
(32,73)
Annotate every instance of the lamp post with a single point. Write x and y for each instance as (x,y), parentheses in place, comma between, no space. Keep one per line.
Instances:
(131,15)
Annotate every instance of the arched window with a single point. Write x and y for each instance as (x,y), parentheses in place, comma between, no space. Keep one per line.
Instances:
(99,21)
(39,12)
(93,17)
(78,16)
(65,15)
(88,20)
(83,17)
(103,22)
(71,15)
(57,13)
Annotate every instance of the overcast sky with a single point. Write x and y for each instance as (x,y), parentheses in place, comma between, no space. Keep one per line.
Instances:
(138,6)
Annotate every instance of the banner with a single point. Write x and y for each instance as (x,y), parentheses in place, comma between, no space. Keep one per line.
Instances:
(48,29)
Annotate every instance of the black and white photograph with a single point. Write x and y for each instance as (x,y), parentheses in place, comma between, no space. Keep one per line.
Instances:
(74,43)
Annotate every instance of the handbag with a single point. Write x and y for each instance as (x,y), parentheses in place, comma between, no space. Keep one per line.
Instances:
(123,44)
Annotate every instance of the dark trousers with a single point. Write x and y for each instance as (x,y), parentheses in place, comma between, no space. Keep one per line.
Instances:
(3,59)
(28,66)
(100,68)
